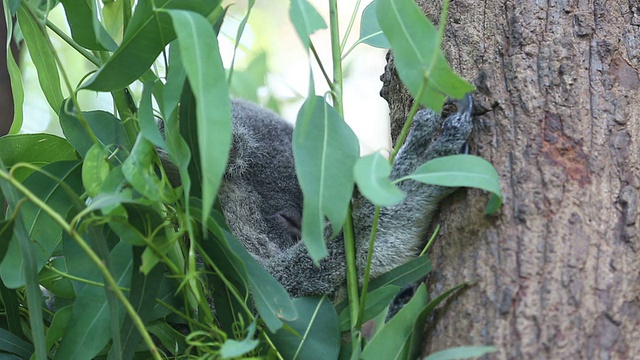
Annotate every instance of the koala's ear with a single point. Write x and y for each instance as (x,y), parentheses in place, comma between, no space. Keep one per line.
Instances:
(291,220)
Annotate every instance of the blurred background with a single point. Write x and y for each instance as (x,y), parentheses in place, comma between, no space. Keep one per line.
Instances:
(271,68)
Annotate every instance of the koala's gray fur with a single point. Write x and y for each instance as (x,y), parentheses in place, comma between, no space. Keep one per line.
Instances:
(262,200)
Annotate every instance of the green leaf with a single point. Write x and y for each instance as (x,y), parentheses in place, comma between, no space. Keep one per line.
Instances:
(317,330)
(233,348)
(271,299)
(370,31)
(142,222)
(377,301)
(95,168)
(42,56)
(27,247)
(144,289)
(17,89)
(58,325)
(175,81)
(325,150)
(147,34)
(60,286)
(36,149)
(12,344)
(393,339)
(203,65)
(404,274)
(372,176)
(306,20)
(417,337)
(462,170)
(44,232)
(140,170)
(148,127)
(6,232)
(172,340)
(418,57)
(246,82)
(106,127)
(86,29)
(89,328)
(462,352)
(11,302)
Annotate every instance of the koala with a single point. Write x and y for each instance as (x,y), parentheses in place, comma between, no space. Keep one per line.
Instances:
(262,200)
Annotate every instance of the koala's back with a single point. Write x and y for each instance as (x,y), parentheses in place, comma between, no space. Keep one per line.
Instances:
(260,195)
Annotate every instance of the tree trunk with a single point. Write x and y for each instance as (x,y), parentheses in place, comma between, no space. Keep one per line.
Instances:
(557,271)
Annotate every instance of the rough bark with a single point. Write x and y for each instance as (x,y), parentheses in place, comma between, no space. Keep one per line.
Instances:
(557,271)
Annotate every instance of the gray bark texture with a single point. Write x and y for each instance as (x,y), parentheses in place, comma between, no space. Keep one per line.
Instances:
(557,270)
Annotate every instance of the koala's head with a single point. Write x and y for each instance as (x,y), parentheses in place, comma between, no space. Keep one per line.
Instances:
(261,197)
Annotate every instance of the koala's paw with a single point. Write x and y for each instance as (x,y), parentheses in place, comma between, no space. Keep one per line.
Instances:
(454,132)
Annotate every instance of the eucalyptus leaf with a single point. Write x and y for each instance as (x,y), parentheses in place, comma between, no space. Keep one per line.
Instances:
(89,328)
(144,289)
(370,31)
(462,170)
(86,29)
(316,334)
(106,127)
(147,34)
(306,20)
(6,232)
(417,337)
(17,89)
(393,339)
(58,325)
(372,176)
(405,274)
(42,56)
(170,338)
(44,232)
(462,352)
(418,57)
(203,65)
(95,168)
(233,348)
(148,127)
(140,170)
(12,344)
(29,268)
(11,303)
(36,149)
(271,299)
(325,150)
(377,301)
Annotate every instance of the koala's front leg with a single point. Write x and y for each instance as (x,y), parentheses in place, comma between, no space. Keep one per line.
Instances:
(295,270)
(402,227)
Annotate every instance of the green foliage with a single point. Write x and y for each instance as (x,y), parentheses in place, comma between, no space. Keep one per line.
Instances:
(134,262)
(416,46)
(325,150)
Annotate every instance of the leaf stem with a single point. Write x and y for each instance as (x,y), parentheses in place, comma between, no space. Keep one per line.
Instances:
(367,270)
(352,20)
(89,56)
(336,55)
(322,69)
